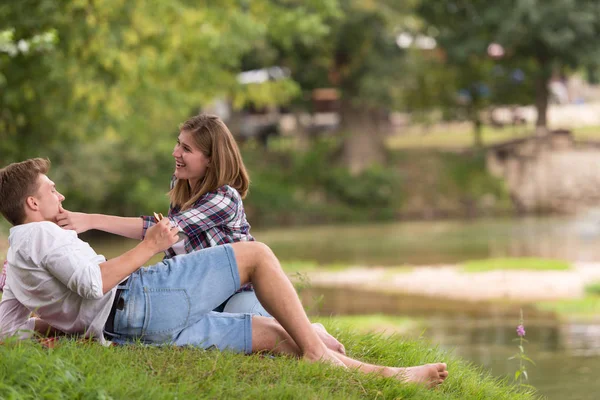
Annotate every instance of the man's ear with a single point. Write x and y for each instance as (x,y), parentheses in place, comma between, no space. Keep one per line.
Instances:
(32,203)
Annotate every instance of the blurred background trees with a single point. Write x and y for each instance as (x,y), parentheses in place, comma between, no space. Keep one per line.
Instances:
(542,37)
(100,87)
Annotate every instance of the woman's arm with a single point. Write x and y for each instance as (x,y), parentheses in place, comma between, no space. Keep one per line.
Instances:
(130,227)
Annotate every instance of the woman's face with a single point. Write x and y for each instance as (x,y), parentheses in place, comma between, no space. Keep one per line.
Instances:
(190,162)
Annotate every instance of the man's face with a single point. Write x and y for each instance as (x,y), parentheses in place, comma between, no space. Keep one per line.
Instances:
(48,198)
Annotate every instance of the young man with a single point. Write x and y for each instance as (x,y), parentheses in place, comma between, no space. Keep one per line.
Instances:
(72,289)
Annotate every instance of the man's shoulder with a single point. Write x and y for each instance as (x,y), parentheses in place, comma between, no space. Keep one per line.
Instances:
(36,230)
(45,227)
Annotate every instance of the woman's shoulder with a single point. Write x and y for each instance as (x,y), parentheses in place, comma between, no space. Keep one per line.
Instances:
(222,195)
(227,191)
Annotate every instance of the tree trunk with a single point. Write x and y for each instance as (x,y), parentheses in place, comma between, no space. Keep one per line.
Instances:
(363,129)
(541,104)
(478,140)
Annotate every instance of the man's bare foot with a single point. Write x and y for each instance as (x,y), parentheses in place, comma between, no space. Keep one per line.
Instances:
(430,375)
(331,342)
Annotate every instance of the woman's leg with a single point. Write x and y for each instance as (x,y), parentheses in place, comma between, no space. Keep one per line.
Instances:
(268,335)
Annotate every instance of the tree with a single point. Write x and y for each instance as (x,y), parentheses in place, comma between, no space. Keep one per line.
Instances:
(549,34)
(359,57)
(122,74)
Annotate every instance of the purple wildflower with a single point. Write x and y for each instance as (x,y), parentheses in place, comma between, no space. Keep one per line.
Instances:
(521,330)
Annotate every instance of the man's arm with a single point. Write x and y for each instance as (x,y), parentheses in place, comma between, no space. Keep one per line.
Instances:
(90,278)
(158,238)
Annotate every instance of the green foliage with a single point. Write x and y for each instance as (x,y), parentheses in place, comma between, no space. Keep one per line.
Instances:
(531,264)
(306,186)
(469,176)
(593,289)
(105,84)
(121,69)
(82,370)
(537,37)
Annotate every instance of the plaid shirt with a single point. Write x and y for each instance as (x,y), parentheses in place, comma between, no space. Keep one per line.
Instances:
(216,218)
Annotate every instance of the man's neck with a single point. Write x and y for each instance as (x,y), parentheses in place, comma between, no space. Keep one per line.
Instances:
(33,218)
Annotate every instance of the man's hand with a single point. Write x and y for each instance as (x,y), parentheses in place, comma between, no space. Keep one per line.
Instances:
(78,222)
(162,235)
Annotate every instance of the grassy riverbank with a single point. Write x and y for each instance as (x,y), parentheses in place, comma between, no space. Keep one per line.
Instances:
(75,370)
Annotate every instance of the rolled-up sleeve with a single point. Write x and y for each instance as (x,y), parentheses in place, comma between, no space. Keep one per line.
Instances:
(79,274)
(147,223)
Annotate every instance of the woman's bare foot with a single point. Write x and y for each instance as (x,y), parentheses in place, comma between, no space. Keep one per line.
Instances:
(331,342)
(327,356)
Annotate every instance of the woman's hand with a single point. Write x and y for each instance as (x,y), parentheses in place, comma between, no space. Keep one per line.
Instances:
(78,222)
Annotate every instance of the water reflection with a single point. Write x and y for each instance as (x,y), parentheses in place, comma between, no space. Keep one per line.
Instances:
(420,243)
(566,355)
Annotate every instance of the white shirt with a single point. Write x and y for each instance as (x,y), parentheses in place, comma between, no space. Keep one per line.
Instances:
(54,274)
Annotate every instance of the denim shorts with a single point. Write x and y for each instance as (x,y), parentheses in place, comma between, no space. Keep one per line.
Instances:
(171,303)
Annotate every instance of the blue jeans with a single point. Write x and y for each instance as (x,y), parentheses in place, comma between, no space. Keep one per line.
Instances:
(172,302)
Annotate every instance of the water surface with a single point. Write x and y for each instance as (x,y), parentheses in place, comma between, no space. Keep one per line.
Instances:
(428,242)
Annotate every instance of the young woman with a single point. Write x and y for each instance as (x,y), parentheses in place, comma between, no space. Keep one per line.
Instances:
(207,188)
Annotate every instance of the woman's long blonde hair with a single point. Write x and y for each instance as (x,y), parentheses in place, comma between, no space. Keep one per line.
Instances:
(212,137)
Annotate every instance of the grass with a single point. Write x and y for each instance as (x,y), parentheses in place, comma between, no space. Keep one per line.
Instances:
(586,308)
(593,289)
(583,309)
(530,264)
(79,370)
(376,323)
(462,137)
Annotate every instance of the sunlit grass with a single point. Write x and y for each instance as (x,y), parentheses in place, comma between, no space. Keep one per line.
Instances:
(379,323)
(452,138)
(593,289)
(78,370)
(586,308)
(530,264)
(458,138)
